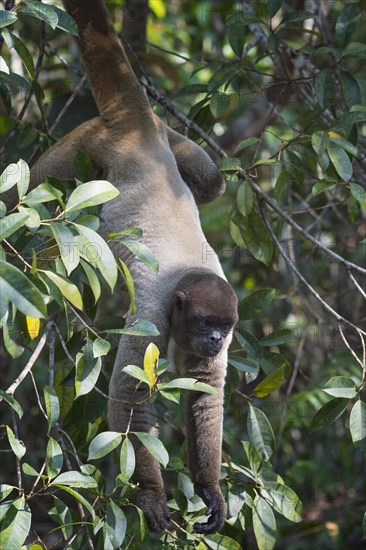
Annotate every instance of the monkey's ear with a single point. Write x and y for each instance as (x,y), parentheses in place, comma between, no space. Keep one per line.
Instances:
(179,299)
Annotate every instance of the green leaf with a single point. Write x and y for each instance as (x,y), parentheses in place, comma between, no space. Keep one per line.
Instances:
(52,405)
(127,231)
(18,289)
(116,526)
(245,199)
(138,328)
(329,413)
(230,165)
(256,237)
(277,337)
(350,89)
(154,446)
(54,458)
(260,432)
(359,194)
(96,251)
(324,84)
(350,118)
(15,80)
(87,370)
(246,143)
(42,193)
(346,145)
(127,460)
(5,490)
(284,500)
(15,525)
(219,542)
(17,446)
(319,142)
(273,381)
(357,422)
(244,364)
(93,280)
(12,402)
(7,18)
(249,342)
(65,22)
(67,289)
(340,160)
(356,50)
(103,444)
(273,7)
(346,24)
(11,223)
(320,187)
(75,480)
(33,220)
(187,384)
(12,41)
(143,253)
(77,496)
(341,386)
(129,283)
(68,245)
(100,347)
(264,524)
(91,194)
(41,11)
(281,185)
(236,38)
(296,16)
(221,105)
(29,470)
(11,345)
(138,373)
(259,300)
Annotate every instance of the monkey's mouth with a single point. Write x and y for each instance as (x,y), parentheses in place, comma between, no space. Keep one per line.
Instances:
(208,351)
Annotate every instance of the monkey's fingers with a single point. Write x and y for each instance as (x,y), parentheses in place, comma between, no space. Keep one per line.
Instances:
(153,504)
(213,498)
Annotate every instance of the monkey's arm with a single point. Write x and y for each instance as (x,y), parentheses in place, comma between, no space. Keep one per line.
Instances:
(133,411)
(204,437)
(196,168)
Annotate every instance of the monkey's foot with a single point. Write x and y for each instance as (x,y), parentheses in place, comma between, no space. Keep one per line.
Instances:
(213,498)
(153,503)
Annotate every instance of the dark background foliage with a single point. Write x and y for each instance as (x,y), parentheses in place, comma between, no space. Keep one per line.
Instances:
(280,88)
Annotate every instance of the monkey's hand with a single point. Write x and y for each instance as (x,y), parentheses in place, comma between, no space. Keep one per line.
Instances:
(213,498)
(153,503)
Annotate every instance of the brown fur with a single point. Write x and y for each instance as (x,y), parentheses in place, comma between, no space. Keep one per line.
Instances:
(161,176)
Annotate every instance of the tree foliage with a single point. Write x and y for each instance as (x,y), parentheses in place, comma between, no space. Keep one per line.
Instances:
(277,91)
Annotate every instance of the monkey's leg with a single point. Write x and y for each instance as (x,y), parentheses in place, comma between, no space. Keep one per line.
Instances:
(134,413)
(204,436)
(196,168)
(58,161)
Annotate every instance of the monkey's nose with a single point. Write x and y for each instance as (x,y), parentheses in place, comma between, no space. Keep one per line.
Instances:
(216,337)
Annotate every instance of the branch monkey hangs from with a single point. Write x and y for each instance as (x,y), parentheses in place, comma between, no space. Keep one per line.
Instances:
(189,299)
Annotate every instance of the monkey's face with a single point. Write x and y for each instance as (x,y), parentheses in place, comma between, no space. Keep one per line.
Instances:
(198,326)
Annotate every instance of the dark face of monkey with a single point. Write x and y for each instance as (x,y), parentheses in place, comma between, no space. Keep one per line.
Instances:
(204,314)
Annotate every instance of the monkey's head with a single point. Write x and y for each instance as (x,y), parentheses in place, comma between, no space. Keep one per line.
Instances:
(204,314)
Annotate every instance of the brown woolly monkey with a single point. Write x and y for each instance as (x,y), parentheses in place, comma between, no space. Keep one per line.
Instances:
(161,176)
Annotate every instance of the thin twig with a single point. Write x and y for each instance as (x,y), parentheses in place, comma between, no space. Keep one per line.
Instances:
(17,462)
(11,389)
(326,306)
(354,355)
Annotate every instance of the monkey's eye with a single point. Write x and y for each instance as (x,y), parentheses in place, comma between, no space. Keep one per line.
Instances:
(203,323)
